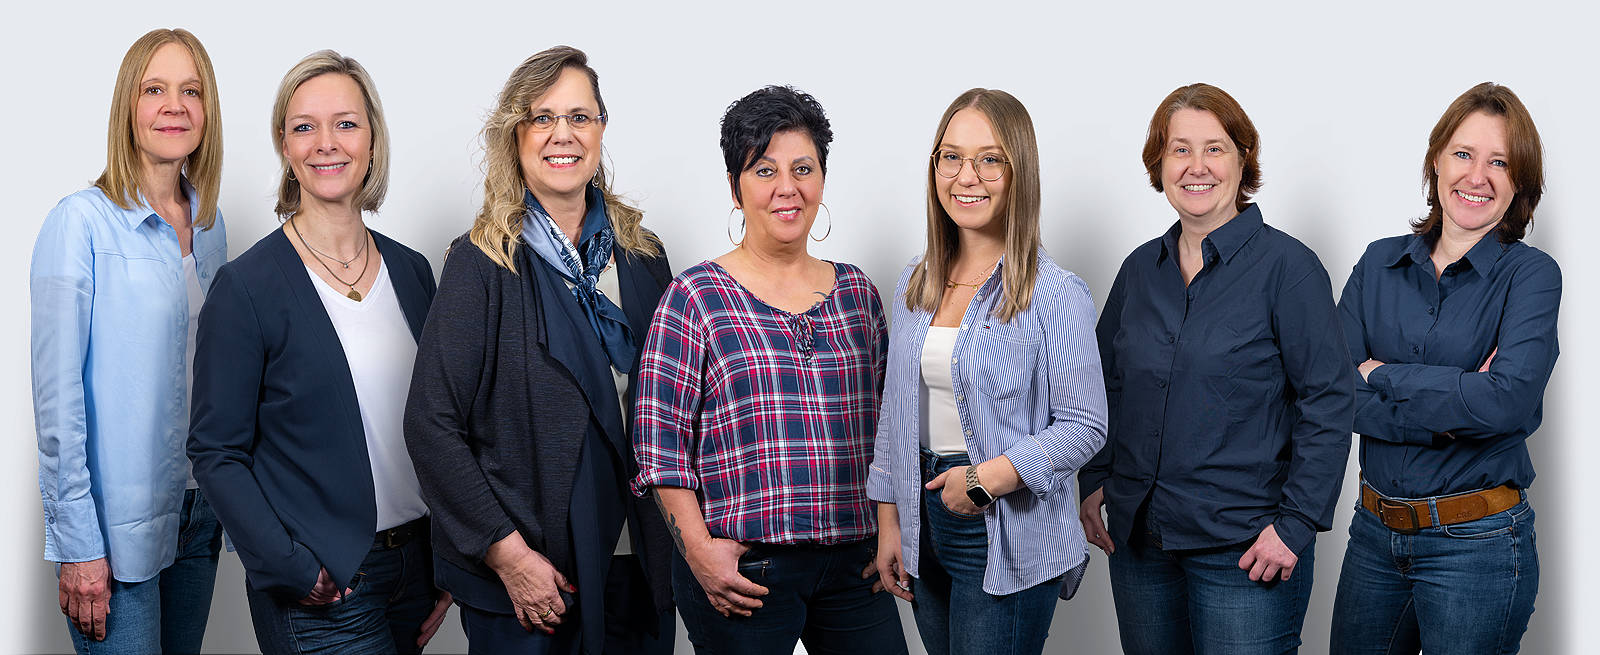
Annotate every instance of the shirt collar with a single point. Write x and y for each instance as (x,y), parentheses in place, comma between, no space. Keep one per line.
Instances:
(1226,240)
(1481,257)
(141,211)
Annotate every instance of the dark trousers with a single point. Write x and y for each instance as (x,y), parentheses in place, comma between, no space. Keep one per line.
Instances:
(390,597)
(491,633)
(815,594)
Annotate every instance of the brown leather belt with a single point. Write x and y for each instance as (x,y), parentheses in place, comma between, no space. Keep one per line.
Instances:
(1411,516)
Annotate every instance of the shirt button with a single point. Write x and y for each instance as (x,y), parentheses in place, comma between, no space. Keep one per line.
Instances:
(1415,350)
(978,297)
(955,360)
(964,325)
(1161,383)
(1172,339)
(960,398)
(969,433)
(1430,311)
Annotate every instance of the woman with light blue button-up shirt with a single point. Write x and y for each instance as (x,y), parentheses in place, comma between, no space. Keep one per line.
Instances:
(992,401)
(118,275)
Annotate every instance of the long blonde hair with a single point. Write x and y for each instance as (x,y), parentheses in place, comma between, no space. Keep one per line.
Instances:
(323,62)
(122,180)
(1014,129)
(498,225)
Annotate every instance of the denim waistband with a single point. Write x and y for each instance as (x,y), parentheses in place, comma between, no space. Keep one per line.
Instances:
(933,463)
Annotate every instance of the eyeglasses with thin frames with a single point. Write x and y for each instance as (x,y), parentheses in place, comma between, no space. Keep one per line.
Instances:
(547,122)
(987,165)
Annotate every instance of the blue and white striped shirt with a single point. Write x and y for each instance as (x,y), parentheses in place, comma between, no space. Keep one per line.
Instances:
(1030,389)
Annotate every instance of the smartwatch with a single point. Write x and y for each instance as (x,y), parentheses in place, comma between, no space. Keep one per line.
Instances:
(975,491)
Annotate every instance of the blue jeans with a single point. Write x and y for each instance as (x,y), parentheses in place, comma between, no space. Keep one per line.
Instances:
(954,614)
(390,596)
(1463,588)
(815,594)
(1200,601)
(167,613)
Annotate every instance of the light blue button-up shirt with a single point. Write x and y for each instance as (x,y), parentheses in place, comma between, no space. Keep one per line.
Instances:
(1030,389)
(110,403)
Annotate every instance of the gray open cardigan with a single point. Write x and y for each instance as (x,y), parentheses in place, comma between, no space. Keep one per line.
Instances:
(496,419)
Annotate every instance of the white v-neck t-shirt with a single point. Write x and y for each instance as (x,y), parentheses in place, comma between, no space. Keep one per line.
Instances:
(381,352)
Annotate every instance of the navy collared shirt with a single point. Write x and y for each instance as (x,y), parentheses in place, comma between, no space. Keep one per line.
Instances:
(1230,398)
(1430,423)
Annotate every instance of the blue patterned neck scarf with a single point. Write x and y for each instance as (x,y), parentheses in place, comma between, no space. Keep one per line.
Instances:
(607,320)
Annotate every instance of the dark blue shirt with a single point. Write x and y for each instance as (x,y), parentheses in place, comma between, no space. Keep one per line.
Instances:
(1230,399)
(1430,423)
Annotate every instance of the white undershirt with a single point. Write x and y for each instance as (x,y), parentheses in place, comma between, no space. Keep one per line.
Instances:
(609,287)
(197,297)
(940,422)
(379,347)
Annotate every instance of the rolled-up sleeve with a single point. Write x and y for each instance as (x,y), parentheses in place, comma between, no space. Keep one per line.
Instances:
(1046,461)
(61,286)
(669,393)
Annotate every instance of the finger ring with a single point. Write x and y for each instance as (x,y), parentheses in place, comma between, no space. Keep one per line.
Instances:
(547,612)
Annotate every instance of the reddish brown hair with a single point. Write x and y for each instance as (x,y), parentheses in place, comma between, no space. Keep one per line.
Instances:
(1235,122)
(1524,161)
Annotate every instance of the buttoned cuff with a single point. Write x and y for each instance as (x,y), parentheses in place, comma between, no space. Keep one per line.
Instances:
(1379,379)
(72,531)
(1033,465)
(1295,532)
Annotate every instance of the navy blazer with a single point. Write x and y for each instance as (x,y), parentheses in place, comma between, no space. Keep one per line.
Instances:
(275,433)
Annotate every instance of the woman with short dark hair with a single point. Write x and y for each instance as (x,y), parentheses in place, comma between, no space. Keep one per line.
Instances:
(757,404)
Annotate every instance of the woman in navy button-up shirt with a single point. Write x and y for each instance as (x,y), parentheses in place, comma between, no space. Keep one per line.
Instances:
(1453,328)
(1230,404)
(993,393)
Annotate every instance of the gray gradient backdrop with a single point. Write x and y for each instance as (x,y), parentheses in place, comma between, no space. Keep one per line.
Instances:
(1343,93)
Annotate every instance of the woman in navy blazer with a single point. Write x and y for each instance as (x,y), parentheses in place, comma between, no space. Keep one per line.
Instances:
(303,358)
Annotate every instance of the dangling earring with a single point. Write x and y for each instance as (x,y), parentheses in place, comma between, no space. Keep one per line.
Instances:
(291,176)
(595,180)
(730,227)
(824,207)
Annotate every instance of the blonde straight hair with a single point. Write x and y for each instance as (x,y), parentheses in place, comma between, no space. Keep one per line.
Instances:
(498,225)
(1014,129)
(122,180)
(324,62)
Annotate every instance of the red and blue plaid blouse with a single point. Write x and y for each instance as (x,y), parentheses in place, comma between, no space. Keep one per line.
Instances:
(769,415)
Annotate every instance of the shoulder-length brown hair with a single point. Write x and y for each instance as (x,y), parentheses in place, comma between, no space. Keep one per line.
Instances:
(1014,129)
(1235,122)
(1524,162)
(322,62)
(498,225)
(122,180)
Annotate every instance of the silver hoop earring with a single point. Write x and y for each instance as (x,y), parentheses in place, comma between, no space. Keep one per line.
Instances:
(730,228)
(824,207)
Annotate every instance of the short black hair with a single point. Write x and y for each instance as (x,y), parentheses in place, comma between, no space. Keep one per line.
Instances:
(750,122)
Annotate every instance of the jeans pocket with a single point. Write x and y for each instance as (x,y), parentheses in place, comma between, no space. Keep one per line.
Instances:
(938,501)
(753,566)
(1490,526)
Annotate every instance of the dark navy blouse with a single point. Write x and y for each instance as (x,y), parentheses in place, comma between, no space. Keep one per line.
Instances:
(1230,399)
(1430,423)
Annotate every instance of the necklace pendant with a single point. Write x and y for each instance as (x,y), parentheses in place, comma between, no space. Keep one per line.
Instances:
(346,266)
(354,295)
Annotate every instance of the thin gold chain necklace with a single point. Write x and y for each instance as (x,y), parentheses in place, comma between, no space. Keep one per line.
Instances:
(353,294)
(976,281)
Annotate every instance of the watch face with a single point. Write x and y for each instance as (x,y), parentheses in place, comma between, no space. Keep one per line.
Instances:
(979,496)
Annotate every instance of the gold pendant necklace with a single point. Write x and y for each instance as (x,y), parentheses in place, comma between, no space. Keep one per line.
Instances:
(365,260)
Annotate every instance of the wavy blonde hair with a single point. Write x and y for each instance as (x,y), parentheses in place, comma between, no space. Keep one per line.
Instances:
(1014,129)
(323,62)
(498,225)
(122,178)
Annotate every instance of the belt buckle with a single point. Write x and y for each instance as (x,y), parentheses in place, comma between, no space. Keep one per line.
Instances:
(392,538)
(1385,505)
